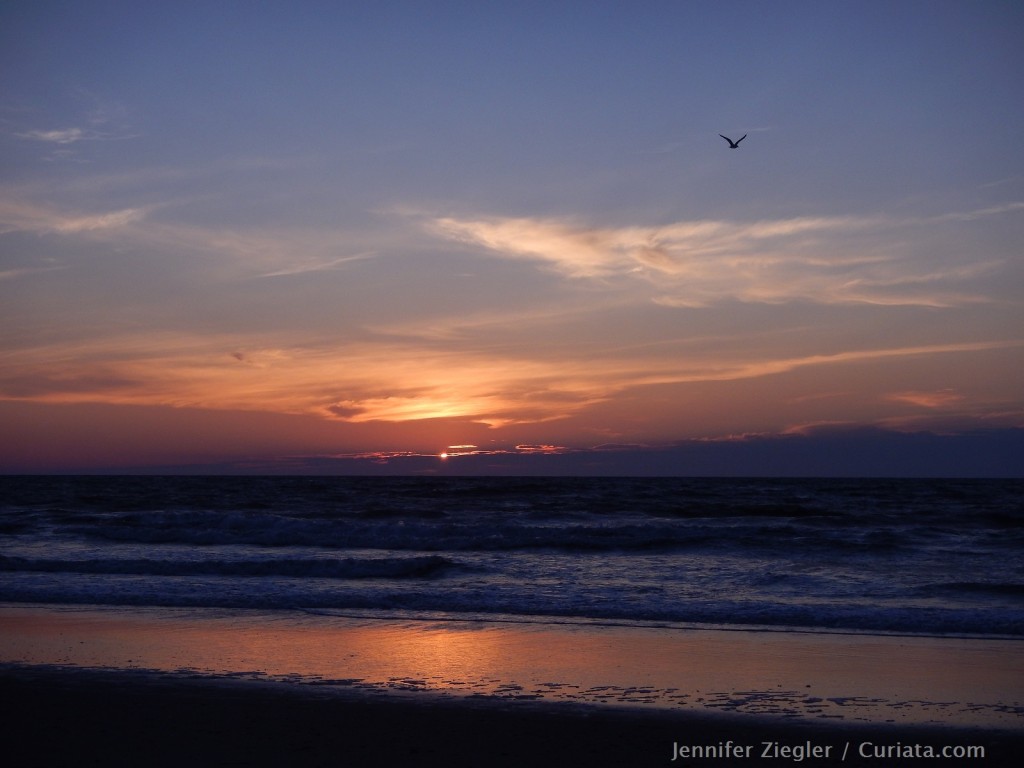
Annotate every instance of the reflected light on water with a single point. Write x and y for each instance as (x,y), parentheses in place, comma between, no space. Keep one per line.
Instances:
(854,677)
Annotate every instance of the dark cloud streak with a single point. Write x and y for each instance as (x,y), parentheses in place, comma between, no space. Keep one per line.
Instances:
(847,452)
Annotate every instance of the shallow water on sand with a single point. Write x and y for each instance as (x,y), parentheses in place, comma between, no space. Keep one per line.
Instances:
(846,677)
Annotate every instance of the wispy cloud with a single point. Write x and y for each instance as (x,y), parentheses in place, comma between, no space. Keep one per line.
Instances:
(505,364)
(828,260)
(253,251)
(98,119)
(12,274)
(68,137)
(982,213)
(16,216)
(934,399)
(111,220)
(389,382)
(574,250)
(61,136)
(317,266)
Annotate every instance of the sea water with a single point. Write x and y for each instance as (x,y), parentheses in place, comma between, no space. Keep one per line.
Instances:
(933,557)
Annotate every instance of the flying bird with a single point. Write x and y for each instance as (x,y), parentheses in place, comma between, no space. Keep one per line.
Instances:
(734,144)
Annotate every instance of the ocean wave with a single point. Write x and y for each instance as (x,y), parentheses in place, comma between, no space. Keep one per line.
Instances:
(1009,589)
(124,590)
(489,534)
(383,532)
(348,568)
(854,554)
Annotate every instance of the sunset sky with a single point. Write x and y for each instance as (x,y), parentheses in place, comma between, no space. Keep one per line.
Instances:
(298,234)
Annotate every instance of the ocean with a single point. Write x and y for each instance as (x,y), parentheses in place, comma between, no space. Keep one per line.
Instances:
(918,557)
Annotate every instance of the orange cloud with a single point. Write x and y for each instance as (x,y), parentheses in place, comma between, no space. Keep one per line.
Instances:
(373,382)
(939,399)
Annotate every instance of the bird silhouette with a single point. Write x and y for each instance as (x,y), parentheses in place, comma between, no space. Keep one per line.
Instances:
(734,144)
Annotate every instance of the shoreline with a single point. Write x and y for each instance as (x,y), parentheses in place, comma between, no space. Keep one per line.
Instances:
(898,680)
(65,717)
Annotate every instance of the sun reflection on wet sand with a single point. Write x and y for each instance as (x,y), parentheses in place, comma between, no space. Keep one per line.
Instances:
(797,675)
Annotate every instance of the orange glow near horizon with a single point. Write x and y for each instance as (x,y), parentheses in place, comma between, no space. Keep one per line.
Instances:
(492,391)
(285,400)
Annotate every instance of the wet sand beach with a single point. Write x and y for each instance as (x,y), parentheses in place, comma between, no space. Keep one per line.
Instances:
(161,687)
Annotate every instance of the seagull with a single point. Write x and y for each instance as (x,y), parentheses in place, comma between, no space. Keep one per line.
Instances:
(734,144)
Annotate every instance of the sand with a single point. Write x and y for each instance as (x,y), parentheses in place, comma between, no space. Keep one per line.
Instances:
(77,718)
(176,687)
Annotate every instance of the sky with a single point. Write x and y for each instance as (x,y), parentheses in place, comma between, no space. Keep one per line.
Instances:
(472,237)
